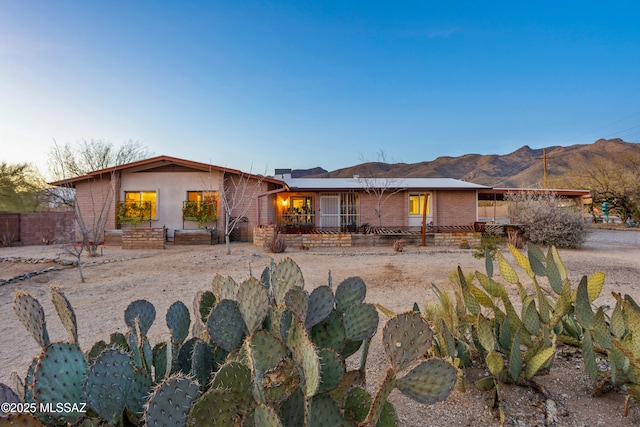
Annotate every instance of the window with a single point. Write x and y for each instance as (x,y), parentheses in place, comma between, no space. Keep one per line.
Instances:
(140,198)
(416,204)
(200,196)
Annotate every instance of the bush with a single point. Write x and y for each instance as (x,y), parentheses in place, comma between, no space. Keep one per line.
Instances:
(277,245)
(548,220)
(488,241)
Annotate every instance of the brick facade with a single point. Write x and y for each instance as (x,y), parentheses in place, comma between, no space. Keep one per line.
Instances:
(143,238)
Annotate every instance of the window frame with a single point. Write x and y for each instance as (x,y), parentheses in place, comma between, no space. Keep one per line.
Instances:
(421,197)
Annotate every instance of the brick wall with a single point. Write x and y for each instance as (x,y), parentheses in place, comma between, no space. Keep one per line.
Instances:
(143,238)
(395,210)
(455,208)
(96,198)
(38,228)
(261,234)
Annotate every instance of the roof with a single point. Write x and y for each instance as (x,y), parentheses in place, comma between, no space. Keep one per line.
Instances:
(162,163)
(498,193)
(317,184)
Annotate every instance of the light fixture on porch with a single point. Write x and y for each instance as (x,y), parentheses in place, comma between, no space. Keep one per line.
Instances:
(284,202)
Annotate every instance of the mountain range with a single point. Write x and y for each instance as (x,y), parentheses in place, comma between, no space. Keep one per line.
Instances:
(523,168)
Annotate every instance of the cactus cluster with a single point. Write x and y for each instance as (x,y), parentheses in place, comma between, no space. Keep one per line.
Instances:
(263,352)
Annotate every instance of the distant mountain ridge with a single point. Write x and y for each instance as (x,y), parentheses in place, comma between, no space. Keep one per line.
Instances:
(522,168)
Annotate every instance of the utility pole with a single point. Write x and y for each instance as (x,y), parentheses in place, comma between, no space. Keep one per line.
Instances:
(544,177)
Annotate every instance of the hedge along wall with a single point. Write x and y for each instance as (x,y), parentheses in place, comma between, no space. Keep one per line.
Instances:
(37,228)
(143,238)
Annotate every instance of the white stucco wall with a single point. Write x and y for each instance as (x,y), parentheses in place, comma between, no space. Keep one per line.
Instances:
(171,191)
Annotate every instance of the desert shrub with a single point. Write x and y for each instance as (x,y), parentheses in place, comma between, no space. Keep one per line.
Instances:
(398,245)
(547,219)
(277,244)
(490,242)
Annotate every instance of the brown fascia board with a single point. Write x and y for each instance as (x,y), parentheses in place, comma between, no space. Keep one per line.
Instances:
(157,161)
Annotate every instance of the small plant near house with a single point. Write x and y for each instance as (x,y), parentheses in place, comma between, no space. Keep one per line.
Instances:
(277,244)
(489,243)
(133,213)
(398,245)
(200,212)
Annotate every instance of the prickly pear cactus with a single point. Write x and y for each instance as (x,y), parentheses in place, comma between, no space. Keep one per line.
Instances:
(31,314)
(170,402)
(66,313)
(109,383)
(58,379)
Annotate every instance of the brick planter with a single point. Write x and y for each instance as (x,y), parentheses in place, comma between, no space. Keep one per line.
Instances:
(195,237)
(143,238)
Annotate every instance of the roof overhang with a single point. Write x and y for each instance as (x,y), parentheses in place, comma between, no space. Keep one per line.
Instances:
(163,164)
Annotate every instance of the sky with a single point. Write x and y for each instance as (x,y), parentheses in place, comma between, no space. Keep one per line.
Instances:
(259,85)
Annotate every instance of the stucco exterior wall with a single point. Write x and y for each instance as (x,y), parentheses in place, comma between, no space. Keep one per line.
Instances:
(455,208)
(171,191)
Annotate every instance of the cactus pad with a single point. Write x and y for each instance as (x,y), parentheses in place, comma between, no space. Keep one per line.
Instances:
(139,392)
(22,419)
(108,384)
(66,313)
(265,416)
(202,363)
(324,411)
(360,322)
(59,376)
(350,291)
(321,303)
(406,338)
(7,395)
(329,333)
(142,310)
(253,302)
(429,382)
(304,353)
(281,382)
(284,276)
(216,407)
(225,325)
(235,377)
(224,287)
(297,301)
(332,369)
(203,302)
(178,320)
(170,401)
(31,314)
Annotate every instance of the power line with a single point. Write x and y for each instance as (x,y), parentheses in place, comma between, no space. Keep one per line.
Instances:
(604,127)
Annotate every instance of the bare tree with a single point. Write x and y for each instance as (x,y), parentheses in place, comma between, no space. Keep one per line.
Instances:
(239,193)
(378,184)
(70,161)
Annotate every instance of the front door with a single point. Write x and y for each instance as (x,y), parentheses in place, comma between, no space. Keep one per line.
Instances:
(330,211)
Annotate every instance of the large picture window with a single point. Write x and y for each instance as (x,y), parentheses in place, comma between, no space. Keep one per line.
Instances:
(416,204)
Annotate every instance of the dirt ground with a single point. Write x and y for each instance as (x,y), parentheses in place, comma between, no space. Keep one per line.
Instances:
(395,280)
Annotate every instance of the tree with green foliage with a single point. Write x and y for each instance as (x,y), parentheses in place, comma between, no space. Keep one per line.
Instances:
(20,188)
(615,180)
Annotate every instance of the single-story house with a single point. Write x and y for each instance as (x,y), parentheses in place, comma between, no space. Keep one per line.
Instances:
(175,194)
(157,192)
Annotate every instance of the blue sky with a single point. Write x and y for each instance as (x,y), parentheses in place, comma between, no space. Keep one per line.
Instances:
(258,85)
